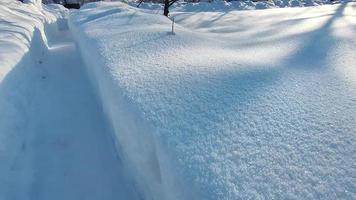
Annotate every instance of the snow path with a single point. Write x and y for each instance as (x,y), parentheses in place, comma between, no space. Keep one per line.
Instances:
(70,158)
(66,151)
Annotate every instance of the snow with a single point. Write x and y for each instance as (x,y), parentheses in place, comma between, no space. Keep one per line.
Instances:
(225,6)
(55,142)
(19,24)
(234,105)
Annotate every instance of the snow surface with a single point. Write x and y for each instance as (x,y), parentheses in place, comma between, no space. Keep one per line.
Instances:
(55,142)
(18,22)
(234,105)
(225,6)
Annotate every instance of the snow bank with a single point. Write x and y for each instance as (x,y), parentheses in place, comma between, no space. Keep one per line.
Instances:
(237,105)
(22,24)
(22,44)
(137,142)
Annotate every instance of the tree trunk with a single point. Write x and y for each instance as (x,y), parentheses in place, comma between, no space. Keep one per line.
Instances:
(166,8)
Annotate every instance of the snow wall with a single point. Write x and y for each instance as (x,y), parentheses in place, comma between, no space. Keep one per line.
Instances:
(146,159)
(24,31)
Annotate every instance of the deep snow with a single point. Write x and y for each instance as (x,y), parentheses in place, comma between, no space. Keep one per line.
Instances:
(234,105)
(55,142)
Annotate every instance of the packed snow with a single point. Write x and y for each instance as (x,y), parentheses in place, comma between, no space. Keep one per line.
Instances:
(55,142)
(110,104)
(233,105)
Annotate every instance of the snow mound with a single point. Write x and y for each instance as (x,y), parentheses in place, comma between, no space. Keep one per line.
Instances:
(22,44)
(19,23)
(237,105)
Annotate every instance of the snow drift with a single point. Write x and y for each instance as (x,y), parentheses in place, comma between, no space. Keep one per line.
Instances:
(136,142)
(237,105)
(23,44)
(21,25)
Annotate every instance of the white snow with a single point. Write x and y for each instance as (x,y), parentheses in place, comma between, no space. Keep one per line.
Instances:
(226,6)
(234,105)
(55,142)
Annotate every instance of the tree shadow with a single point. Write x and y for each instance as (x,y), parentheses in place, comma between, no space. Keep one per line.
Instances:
(99,15)
(317,45)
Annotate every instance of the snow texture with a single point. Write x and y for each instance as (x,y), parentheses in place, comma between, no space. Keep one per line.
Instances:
(55,142)
(233,105)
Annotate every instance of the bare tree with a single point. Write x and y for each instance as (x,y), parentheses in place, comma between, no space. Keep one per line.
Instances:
(167,4)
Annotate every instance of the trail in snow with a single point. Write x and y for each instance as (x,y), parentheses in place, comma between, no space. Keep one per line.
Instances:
(66,151)
(73,153)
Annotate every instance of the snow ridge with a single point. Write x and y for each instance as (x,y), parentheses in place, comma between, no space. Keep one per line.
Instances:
(145,160)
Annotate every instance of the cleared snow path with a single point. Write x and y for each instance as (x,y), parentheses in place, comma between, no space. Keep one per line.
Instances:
(65,150)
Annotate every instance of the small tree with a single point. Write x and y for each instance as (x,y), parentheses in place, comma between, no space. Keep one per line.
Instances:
(167,4)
